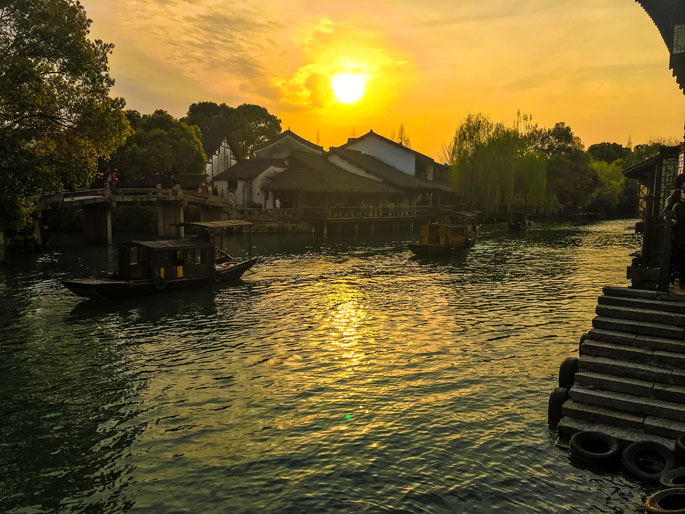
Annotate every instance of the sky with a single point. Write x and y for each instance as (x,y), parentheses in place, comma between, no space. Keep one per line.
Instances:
(600,66)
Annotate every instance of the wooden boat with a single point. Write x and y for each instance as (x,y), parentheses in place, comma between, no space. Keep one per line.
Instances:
(152,267)
(518,221)
(448,234)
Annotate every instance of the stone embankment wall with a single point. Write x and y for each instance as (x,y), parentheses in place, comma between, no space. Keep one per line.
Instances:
(631,371)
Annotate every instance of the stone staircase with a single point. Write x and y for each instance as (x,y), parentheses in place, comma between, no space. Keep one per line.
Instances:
(631,371)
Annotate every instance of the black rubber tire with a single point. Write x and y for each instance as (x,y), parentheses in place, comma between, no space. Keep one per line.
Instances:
(680,449)
(673,478)
(670,501)
(595,448)
(567,372)
(647,460)
(556,400)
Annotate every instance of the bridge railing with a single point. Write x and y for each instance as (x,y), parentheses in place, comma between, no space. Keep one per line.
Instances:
(121,194)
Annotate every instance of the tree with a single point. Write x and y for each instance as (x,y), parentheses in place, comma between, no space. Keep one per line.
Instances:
(403,137)
(557,140)
(483,157)
(531,180)
(608,152)
(609,190)
(56,117)
(245,127)
(161,146)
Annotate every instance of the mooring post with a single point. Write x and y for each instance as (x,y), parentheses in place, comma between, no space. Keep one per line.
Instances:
(169,216)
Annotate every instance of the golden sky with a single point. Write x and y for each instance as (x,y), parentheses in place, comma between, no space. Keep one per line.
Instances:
(598,65)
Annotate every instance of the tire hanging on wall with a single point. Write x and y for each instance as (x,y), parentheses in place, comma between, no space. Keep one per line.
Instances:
(596,448)
(647,460)
(556,400)
(673,478)
(667,501)
(567,372)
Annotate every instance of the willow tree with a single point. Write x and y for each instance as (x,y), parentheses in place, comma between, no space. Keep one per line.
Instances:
(483,159)
(56,116)
(531,181)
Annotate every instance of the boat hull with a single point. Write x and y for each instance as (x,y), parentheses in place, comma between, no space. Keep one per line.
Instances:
(517,227)
(436,249)
(113,289)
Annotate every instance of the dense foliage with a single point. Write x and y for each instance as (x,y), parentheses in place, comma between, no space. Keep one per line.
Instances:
(244,127)
(542,170)
(160,146)
(56,116)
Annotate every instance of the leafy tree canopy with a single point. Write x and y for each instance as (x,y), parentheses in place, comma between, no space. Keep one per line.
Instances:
(56,116)
(245,127)
(493,168)
(608,152)
(161,146)
(557,140)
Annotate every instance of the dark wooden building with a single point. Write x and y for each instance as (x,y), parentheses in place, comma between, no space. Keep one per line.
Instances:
(669,18)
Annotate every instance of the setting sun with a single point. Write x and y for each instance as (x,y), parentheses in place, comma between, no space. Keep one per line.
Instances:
(348,87)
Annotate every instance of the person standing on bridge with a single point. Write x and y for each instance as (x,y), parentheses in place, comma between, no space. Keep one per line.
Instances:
(112,180)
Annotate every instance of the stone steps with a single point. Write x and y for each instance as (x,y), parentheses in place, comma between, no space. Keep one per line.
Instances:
(633,353)
(631,371)
(641,314)
(641,341)
(629,403)
(570,425)
(638,327)
(635,370)
(641,388)
(652,425)
(638,303)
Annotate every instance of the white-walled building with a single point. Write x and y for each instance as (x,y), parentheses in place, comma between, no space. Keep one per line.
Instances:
(370,170)
(222,160)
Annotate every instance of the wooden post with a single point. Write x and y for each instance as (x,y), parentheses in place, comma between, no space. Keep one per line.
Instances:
(249,242)
(97,224)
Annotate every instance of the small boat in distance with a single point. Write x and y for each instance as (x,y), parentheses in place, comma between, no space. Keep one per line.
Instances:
(448,234)
(518,221)
(152,267)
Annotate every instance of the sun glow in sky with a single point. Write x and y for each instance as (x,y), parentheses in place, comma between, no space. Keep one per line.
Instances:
(601,66)
(348,87)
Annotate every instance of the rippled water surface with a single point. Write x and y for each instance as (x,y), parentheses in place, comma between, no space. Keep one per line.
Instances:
(342,376)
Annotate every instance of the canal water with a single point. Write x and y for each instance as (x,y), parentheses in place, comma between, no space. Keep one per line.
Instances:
(343,375)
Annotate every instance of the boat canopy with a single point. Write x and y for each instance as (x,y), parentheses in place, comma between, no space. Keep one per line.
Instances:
(172,244)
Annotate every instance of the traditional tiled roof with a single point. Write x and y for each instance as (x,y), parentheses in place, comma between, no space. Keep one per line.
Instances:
(248,169)
(311,173)
(395,143)
(292,134)
(647,166)
(666,14)
(388,173)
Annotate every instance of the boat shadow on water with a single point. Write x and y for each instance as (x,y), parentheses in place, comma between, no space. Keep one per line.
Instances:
(456,258)
(200,301)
